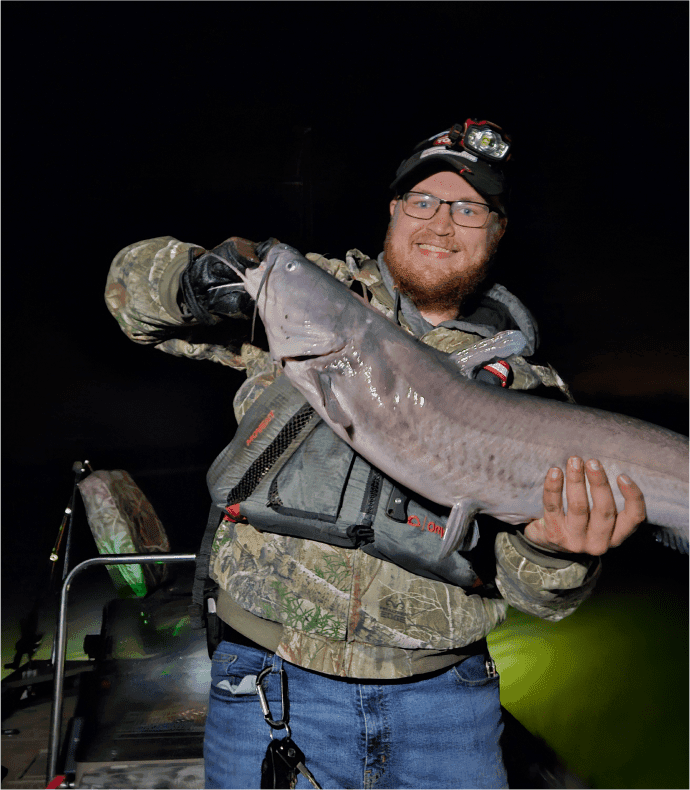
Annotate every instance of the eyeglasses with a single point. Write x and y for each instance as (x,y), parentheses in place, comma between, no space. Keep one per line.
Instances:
(465,213)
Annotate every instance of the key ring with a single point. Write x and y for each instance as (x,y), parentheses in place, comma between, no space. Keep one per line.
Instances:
(273,724)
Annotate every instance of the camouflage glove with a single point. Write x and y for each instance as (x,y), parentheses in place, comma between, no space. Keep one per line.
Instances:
(210,288)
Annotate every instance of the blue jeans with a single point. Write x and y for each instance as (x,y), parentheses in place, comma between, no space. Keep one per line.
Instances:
(441,731)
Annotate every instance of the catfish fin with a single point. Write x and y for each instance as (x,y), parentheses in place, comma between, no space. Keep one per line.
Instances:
(461,516)
(671,538)
(505,344)
(322,384)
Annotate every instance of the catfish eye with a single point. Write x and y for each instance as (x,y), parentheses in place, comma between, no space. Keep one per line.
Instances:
(290,266)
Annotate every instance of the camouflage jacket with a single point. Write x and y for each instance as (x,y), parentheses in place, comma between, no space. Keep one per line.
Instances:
(326,608)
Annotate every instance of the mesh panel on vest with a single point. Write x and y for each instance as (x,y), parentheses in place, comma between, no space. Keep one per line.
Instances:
(263,464)
(274,499)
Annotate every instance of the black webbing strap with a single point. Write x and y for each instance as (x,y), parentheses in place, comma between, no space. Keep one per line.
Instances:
(197,615)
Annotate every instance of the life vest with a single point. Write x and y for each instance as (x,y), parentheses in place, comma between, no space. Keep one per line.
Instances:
(286,472)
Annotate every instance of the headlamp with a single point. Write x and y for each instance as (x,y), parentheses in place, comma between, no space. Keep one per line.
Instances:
(485,139)
(476,150)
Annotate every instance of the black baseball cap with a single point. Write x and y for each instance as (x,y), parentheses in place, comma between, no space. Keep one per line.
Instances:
(476,150)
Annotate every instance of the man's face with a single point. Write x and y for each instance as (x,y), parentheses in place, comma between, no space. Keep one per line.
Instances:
(434,261)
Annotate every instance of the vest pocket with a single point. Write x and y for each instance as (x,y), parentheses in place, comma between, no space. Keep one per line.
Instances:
(312,484)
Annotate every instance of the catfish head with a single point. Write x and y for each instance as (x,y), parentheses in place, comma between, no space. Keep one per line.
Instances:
(304,309)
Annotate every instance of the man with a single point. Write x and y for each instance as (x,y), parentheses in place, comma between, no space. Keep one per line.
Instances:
(389,682)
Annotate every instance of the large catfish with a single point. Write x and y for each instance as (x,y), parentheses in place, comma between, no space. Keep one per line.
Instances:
(407,410)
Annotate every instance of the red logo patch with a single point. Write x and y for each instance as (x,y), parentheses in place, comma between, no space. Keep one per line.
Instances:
(261,427)
(442,140)
(428,526)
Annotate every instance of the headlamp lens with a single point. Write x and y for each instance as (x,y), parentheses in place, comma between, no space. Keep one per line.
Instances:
(486,142)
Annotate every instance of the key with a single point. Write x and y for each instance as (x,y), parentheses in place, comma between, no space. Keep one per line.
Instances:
(302,768)
(288,751)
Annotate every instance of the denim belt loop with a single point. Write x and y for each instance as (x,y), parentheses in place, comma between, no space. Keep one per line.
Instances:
(277,662)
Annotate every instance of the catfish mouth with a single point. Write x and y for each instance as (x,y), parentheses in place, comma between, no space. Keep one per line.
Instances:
(325,356)
(302,358)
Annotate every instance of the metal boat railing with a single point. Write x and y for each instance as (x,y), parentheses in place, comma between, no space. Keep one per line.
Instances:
(61,636)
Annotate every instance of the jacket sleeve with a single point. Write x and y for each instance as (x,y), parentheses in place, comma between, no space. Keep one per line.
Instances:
(549,586)
(141,293)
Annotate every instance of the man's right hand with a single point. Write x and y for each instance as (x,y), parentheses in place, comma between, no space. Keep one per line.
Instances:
(210,287)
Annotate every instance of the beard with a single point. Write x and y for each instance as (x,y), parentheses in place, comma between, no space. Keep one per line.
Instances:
(432,288)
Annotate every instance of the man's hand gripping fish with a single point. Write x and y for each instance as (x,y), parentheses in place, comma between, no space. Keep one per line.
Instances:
(407,410)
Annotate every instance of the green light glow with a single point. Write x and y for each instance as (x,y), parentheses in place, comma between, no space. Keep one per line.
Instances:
(128,576)
(123,576)
(606,688)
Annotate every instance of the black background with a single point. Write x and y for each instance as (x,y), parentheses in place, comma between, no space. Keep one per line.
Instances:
(124,121)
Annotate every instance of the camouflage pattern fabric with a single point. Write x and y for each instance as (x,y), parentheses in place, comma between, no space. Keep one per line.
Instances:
(123,521)
(166,773)
(342,611)
(141,294)
(558,585)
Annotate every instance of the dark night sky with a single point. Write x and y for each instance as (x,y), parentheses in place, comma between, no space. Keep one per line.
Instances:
(124,121)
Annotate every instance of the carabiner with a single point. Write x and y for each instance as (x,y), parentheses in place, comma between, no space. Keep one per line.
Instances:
(273,724)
